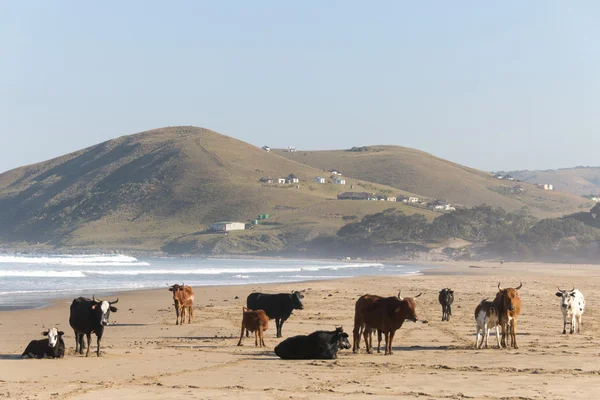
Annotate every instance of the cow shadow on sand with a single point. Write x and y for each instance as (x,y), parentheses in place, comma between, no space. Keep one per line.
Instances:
(10,357)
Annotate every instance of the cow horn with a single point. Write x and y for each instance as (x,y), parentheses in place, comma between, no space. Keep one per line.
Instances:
(418,295)
(114,302)
(559,289)
(94,299)
(499,288)
(400,297)
(573,288)
(520,286)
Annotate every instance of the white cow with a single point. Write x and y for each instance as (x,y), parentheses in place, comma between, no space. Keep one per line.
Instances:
(572,305)
(486,318)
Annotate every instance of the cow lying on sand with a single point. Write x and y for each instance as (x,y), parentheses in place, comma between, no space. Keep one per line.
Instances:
(51,347)
(319,345)
(254,321)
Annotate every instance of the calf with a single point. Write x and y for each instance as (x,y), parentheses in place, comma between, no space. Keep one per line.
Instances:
(446,298)
(254,321)
(383,313)
(51,347)
(87,317)
(509,307)
(319,345)
(486,318)
(183,297)
(572,306)
(277,306)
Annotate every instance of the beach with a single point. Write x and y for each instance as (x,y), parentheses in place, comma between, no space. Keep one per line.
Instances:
(146,356)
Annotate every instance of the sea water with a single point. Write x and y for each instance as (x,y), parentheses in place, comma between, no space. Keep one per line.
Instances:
(31,281)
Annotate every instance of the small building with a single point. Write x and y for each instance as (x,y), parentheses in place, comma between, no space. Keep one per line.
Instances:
(499,176)
(595,198)
(391,198)
(335,172)
(548,186)
(266,148)
(320,179)
(266,179)
(412,199)
(281,180)
(292,179)
(381,198)
(353,196)
(340,181)
(227,226)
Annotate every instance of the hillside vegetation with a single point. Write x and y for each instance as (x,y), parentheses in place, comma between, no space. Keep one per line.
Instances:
(161,189)
(420,172)
(578,180)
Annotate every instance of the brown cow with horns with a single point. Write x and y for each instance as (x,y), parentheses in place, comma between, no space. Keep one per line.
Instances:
(509,307)
(183,297)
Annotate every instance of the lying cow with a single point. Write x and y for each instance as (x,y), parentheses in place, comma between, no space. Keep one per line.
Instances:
(319,345)
(254,321)
(277,306)
(572,306)
(183,297)
(89,316)
(384,313)
(446,298)
(51,347)
(486,318)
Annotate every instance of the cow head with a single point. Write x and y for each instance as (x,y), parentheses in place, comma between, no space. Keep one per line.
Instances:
(297,300)
(104,308)
(510,296)
(341,338)
(53,335)
(567,297)
(447,296)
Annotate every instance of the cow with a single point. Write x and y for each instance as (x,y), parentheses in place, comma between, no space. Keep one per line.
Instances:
(254,321)
(51,347)
(89,316)
(509,307)
(383,313)
(572,306)
(183,297)
(277,306)
(486,318)
(446,298)
(319,345)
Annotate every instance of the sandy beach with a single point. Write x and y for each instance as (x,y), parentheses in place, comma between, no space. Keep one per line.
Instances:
(144,355)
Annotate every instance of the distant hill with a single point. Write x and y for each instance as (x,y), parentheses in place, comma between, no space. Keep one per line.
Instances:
(161,189)
(578,180)
(423,173)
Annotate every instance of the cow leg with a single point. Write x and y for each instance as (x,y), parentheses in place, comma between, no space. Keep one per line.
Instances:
(242,334)
(89,339)
(182,316)
(514,333)
(387,340)
(247,333)
(486,332)
(281,326)
(477,337)
(579,323)
(564,324)
(368,345)
(356,337)
(378,340)
(262,338)
(572,324)
(498,337)
(98,345)
(256,337)
(392,333)
(176,313)
(504,333)
(191,314)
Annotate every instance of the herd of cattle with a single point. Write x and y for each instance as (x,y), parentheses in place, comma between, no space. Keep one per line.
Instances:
(384,315)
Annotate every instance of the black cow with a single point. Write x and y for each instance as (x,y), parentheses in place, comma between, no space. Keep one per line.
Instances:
(51,347)
(446,299)
(277,306)
(319,345)
(89,316)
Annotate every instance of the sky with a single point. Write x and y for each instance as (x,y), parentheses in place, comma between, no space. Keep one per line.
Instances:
(492,85)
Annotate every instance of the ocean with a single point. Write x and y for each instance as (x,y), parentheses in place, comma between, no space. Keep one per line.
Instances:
(32,281)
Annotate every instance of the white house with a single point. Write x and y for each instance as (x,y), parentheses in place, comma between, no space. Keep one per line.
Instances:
(227,226)
(340,181)
(335,172)
(412,200)
(281,180)
(391,199)
(548,186)
(596,199)
(292,179)
(319,179)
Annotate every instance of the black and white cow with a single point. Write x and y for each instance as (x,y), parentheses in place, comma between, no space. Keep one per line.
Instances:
(277,306)
(572,305)
(89,316)
(51,347)
(446,298)
(319,345)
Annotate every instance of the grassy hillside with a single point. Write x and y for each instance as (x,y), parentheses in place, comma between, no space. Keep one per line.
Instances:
(420,172)
(578,180)
(162,188)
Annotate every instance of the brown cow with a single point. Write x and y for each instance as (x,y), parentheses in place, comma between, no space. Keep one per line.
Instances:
(254,321)
(183,297)
(382,313)
(509,307)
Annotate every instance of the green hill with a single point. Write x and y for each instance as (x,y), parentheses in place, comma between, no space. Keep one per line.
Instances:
(423,173)
(578,180)
(161,189)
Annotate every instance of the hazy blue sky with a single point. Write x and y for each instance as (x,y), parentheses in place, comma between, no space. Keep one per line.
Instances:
(509,85)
